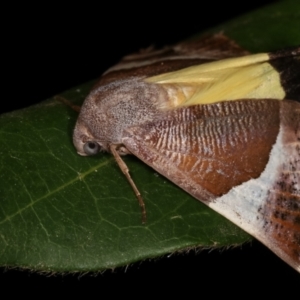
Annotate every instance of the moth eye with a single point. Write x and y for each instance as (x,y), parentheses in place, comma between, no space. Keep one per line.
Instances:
(91,148)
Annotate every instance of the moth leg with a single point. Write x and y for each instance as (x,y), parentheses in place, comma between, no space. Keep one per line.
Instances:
(68,103)
(123,151)
(125,171)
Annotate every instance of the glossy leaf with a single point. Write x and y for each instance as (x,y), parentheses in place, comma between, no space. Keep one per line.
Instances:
(63,212)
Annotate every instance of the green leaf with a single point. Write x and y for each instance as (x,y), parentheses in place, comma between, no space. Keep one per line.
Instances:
(63,212)
(267,29)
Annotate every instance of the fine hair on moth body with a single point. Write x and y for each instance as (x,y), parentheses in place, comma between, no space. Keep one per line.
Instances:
(222,124)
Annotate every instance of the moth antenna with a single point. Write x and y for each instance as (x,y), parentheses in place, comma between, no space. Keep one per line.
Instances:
(125,171)
(67,102)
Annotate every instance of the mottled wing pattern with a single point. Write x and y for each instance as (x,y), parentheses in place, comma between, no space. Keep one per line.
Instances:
(215,152)
(269,206)
(280,212)
(227,143)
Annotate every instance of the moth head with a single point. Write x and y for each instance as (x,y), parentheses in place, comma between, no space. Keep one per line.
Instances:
(110,110)
(85,143)
(92,132)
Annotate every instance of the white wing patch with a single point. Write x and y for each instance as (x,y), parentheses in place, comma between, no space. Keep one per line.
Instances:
(244,204)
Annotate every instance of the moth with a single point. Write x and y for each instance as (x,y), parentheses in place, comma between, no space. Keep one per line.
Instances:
(220,123)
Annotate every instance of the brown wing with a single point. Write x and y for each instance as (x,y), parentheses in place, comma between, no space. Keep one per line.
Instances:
(152,62)
(208,149)
(227,156)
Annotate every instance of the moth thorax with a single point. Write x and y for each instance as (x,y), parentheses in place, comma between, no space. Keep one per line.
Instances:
(122,105)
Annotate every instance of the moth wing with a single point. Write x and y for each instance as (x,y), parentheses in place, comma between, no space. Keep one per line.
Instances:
(242,158)
(150,62)
(258,76)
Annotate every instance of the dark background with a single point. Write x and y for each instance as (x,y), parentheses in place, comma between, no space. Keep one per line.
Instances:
(48,50)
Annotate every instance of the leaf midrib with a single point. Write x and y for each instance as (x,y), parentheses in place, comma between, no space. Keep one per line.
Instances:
(80,177)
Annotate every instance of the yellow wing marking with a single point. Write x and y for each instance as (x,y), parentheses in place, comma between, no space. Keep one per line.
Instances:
(229,79)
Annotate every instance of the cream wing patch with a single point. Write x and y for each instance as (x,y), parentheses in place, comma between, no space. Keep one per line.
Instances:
(229,79)
(244,204)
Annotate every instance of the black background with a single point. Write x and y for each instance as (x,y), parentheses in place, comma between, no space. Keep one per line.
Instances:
(49,49)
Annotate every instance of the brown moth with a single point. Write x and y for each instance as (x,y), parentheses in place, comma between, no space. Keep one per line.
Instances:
(214,120)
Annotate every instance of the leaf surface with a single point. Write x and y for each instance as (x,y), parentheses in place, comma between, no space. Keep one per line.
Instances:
(63,212)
